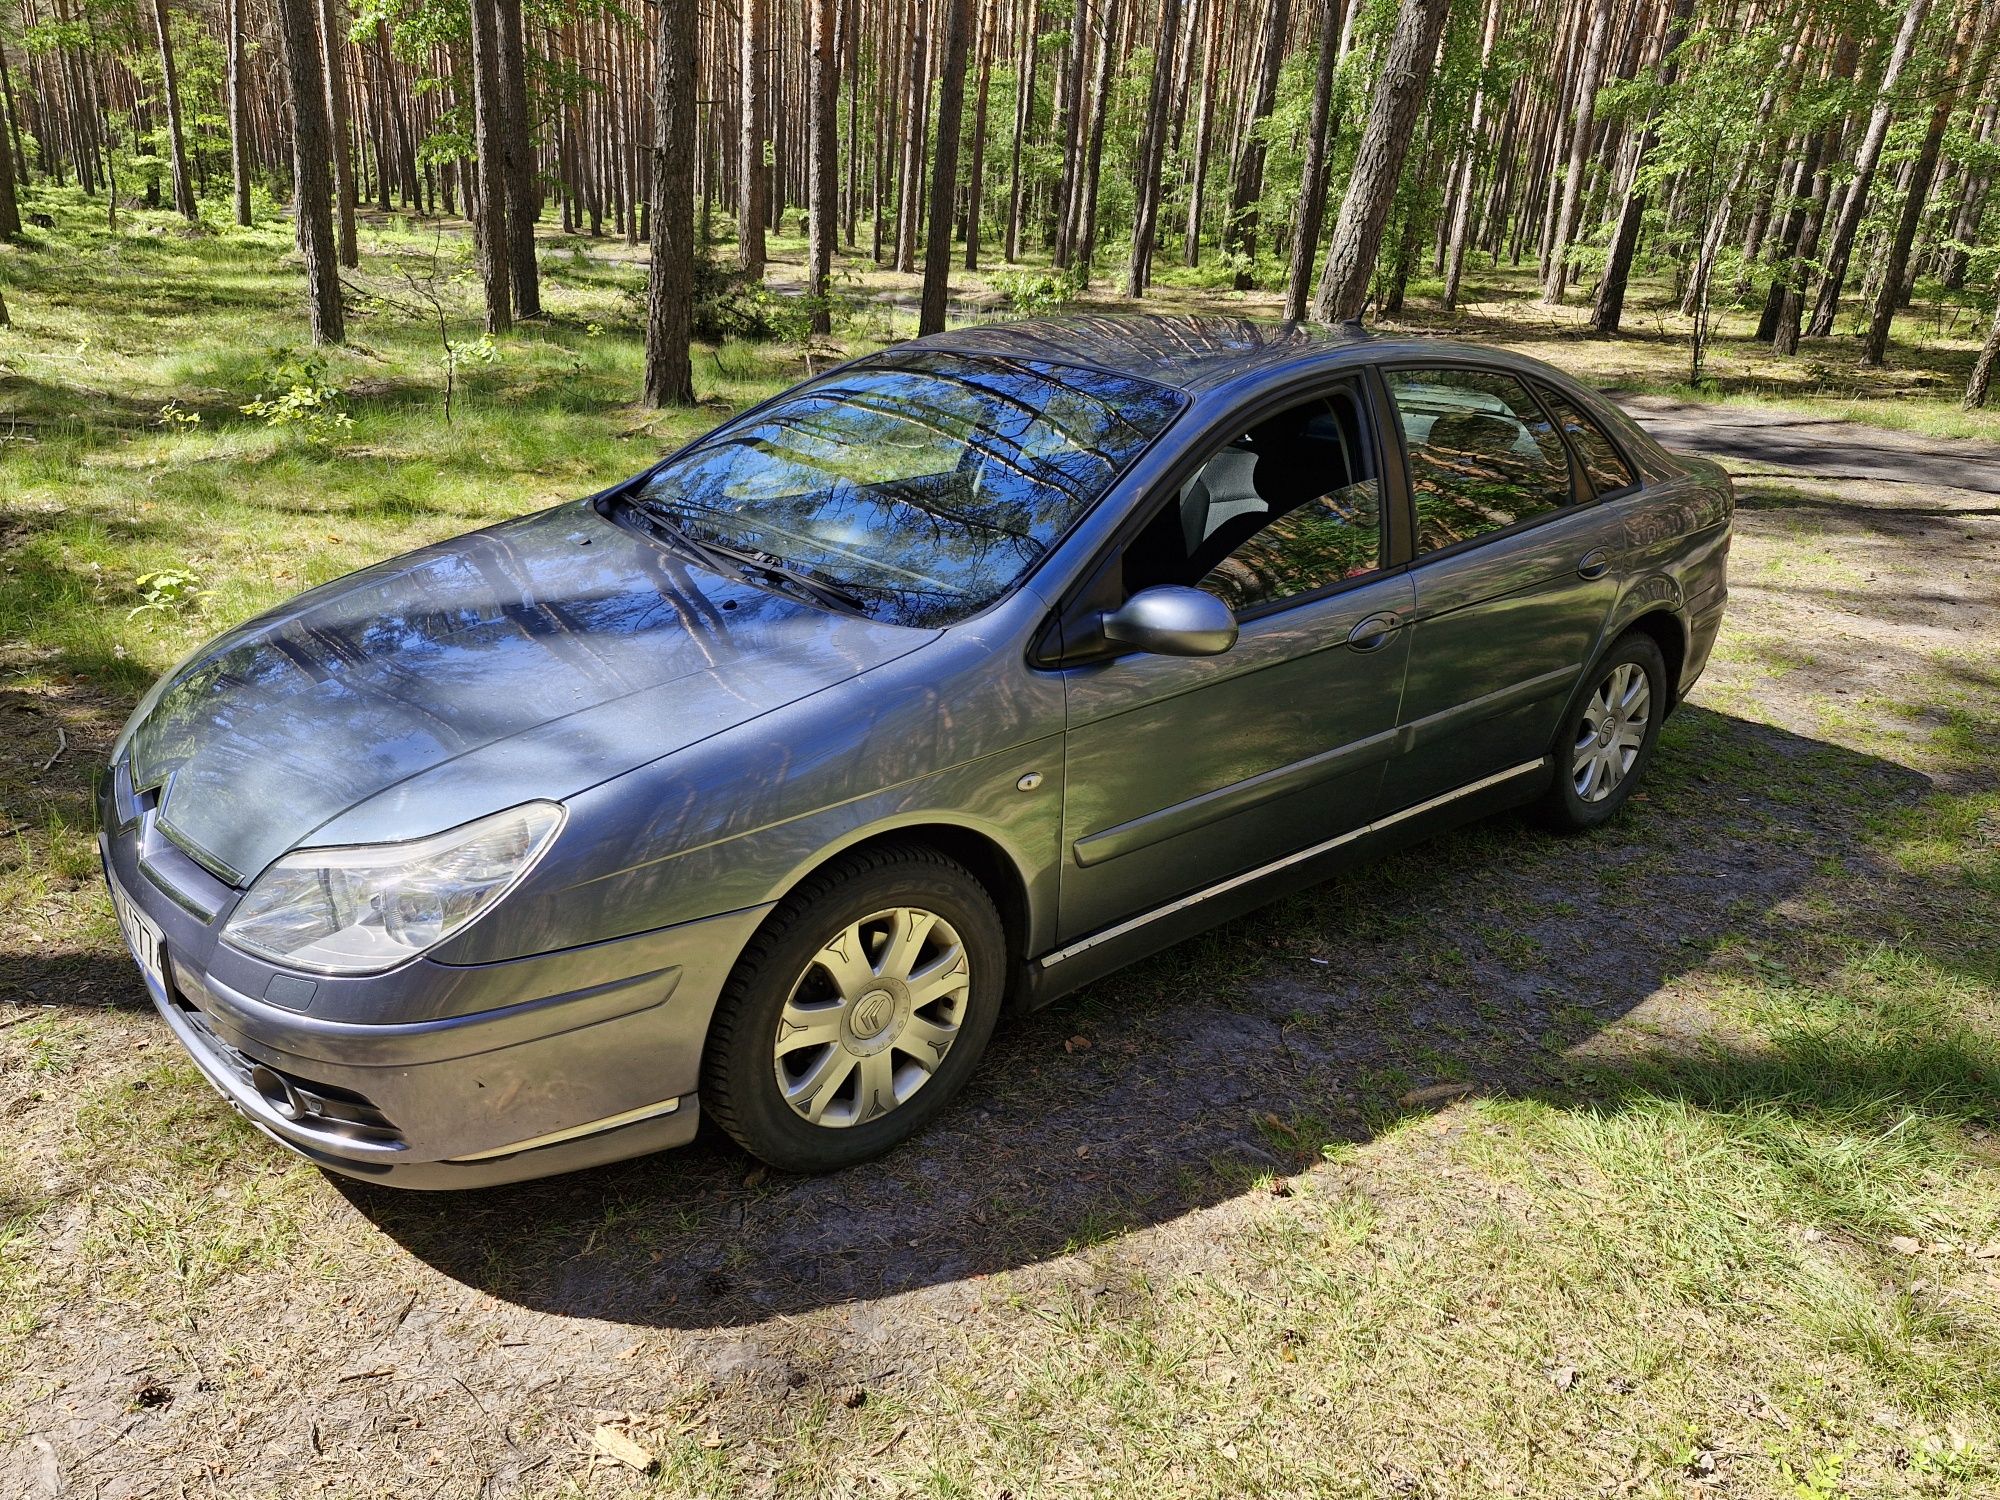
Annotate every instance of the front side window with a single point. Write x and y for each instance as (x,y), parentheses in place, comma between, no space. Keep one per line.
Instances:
(1602,466)
(1483,455)
(922,485)
(1290,507)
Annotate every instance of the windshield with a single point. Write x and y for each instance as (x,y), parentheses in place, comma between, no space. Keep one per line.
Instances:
(921,485)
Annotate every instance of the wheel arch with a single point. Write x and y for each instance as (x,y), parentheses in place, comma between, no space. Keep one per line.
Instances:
(990,862)
(1669,633)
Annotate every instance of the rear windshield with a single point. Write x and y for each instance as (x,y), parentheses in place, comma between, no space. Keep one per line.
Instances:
(924,484)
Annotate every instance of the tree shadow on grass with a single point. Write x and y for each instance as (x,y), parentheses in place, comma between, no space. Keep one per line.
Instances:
(1476,962)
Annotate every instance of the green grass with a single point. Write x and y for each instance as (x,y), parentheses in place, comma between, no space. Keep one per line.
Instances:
(1737,1237)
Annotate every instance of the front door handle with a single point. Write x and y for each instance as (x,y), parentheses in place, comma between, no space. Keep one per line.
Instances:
(1595,564)
(1373,633)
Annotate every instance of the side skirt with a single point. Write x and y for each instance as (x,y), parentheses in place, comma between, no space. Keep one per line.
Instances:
(1056,974)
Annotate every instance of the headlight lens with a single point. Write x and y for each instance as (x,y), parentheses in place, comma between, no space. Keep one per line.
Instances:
(369,907)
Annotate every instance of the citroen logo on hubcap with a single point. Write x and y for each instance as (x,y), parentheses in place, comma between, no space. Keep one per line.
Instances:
(872,1012)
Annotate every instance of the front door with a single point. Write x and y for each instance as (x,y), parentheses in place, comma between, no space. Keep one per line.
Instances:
(1185,771)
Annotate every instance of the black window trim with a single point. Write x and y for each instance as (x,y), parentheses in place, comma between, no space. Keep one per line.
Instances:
(1580,498)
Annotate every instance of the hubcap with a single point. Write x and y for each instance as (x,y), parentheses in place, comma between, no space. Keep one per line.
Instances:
(872,1017)
(1613,729)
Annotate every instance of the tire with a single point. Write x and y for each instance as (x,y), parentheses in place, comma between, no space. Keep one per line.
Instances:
(1605,744)
(851,1022)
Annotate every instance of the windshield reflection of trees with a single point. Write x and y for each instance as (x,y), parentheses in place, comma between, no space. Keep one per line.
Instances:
(926,484)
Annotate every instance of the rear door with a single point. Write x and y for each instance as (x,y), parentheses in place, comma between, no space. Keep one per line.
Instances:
(1515,566)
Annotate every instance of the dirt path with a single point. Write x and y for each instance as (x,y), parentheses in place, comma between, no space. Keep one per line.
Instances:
(1750,440)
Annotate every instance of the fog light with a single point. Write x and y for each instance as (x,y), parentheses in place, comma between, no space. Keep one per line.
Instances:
(276,1090)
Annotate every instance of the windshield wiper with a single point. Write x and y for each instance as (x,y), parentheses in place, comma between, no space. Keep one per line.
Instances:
(775,570)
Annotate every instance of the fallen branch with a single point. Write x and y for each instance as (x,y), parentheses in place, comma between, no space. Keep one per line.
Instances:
(62,744)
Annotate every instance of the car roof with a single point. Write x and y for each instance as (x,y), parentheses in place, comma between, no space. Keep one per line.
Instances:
(1192,353)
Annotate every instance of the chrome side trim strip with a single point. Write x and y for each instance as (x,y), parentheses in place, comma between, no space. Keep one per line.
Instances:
(611,1122)
(1132,924)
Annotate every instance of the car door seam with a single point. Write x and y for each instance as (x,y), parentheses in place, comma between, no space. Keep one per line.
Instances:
(1486,706)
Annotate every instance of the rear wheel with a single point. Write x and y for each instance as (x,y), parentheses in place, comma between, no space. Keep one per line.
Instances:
(1608,741)
(858,1010)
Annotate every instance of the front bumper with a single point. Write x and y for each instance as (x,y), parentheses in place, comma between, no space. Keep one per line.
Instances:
(433,1075)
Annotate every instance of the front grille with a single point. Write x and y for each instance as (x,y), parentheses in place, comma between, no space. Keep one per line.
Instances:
(316,1106)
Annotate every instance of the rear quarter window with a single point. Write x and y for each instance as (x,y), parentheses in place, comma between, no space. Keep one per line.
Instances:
(1603,467)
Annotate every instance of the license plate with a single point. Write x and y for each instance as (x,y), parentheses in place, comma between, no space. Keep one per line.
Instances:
(142,937)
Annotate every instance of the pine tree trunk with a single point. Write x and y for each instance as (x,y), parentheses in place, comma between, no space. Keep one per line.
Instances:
(1312,184)
(1841,247)
(10,208)
(975,188)
(774,126)
(1798,238)
(1923,172)
(1152,149)
(524,197)
(1980,385)
(1595,50)
(12,123)
(1609,309)
(1100,111)
(1239,233)
(171,86)
(312,182)
(1024,117)
(1378,160)
(850,12)
(1204,124)
(670,293)
(490,212)
(944,171)
(1978,184)
(1069,132)
(751,174)
(333,43)
(1461,209)
(916,113)
(824,165)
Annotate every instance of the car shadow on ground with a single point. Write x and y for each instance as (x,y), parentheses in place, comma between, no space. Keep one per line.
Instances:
(1475,963)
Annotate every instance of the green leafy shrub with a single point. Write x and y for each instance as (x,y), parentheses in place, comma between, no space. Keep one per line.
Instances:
(169,591)
(298,397)
(729,305)
(1036,294)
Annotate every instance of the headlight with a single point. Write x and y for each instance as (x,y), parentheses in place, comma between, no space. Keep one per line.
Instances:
(369,907)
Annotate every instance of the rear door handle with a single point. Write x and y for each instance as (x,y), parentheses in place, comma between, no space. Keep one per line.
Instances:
(1373,633)
(1595,564)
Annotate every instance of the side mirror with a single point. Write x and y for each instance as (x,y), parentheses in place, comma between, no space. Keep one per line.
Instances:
(1171,621)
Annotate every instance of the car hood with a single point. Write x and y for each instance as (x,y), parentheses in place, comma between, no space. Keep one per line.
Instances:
(438,658)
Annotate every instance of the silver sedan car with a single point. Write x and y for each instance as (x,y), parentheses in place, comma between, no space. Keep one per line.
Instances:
(766,784)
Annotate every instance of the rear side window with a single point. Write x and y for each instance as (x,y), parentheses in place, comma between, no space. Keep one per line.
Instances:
(1483,455)
(1602,466)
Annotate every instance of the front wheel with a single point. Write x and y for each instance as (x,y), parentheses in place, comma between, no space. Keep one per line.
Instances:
(1608,740)
(858,1010)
